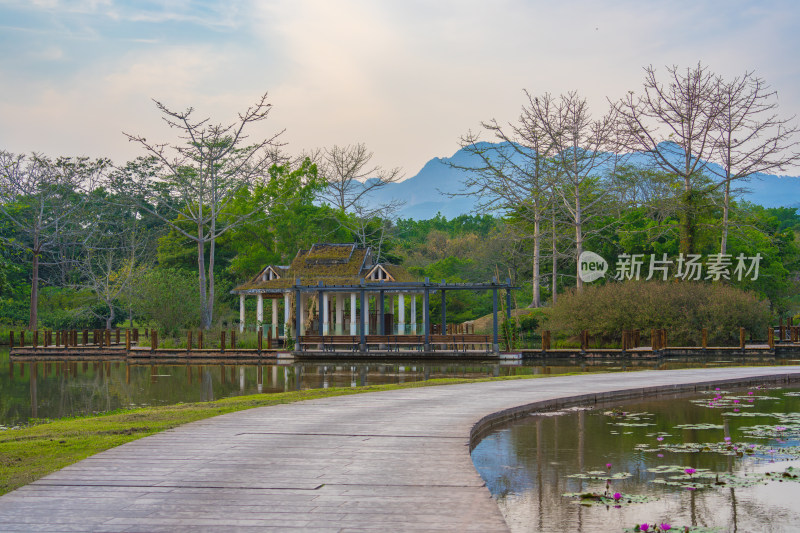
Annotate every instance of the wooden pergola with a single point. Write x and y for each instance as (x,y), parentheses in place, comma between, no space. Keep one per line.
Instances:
(426,288)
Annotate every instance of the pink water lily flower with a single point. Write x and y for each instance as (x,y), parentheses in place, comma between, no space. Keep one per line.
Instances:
(659,438)
(608,466)
(665,527)
(690,471)
(617,495)
(644,527)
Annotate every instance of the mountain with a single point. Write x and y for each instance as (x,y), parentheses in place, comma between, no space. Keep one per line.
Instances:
(426,193)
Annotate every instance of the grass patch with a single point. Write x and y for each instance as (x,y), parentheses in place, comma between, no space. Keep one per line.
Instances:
(29,453)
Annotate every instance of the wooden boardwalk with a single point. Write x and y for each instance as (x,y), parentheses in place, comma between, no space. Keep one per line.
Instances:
(386,461)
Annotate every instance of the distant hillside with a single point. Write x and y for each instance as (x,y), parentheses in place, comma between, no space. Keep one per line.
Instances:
(425,193)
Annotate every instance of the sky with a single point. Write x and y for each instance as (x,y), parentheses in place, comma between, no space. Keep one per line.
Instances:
(407,78)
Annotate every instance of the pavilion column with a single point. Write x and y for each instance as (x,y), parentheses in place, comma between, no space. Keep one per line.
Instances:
(353,325)
(401,314)
(364,305)
(287,309)
(413,314)
(274,318)
(324,317)
(319,313)
(241,313)
(339,313)
(260,311)
(495,342)
(301,314)
(444,312)
(426,315)
(392,313)
(381,313)
(365,314)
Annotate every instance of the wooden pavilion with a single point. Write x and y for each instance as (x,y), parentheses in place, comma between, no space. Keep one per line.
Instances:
(327,277)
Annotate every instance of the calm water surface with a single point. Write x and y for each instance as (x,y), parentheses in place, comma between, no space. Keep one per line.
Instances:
(527,465)
(59,389)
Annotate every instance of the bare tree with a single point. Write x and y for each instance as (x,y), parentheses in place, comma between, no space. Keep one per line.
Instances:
(39,196)
(675,123)
(195,181)
(351,180)
(516,176)
(583,151)
(750,137)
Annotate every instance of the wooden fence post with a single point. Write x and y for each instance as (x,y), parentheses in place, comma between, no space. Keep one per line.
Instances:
(233,339)
(108,338)
(545,340)
(653,340)
(22,338)
(781,331)
(260,335)
(663,338)
(704,342)
(127,340)
(221,341)
(154,340)
(189,341)
(741,338)
(771,337)
(584,340)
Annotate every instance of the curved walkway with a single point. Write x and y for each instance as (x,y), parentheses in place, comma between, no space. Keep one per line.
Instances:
(394,460)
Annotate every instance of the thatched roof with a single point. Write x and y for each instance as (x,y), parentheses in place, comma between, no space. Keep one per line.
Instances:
(332,264)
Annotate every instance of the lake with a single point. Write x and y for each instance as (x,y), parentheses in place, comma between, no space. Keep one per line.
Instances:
(723,461)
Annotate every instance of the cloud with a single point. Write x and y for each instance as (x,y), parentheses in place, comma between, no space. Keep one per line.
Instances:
(408,78)
(51,53)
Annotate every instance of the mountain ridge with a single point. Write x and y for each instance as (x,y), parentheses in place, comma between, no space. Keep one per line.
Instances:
(426,193)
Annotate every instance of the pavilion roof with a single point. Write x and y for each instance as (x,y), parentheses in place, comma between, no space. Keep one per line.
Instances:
(332,264)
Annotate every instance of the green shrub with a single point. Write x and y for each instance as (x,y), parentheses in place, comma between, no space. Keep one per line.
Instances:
(170,299)
(14,312)
(683,308)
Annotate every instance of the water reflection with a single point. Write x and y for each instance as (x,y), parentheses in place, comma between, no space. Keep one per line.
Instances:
(527,465)
(66,388)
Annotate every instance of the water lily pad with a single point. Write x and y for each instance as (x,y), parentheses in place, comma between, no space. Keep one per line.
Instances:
(594,498)
(699,426)
(670,469)
(600,475)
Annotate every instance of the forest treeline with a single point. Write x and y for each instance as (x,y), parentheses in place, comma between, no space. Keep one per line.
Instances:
(162,239)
